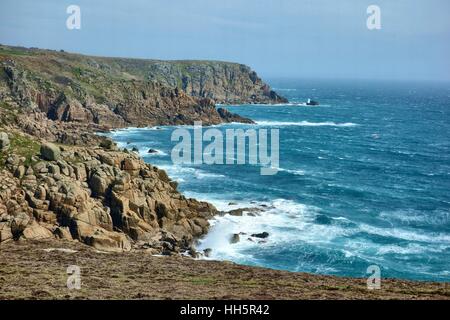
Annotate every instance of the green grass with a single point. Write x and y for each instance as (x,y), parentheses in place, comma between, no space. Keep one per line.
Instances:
(5,105)
(14,52)
(22,146)
(8,114)
(202,280)
(77,72)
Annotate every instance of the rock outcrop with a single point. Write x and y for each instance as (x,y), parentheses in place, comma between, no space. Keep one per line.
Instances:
(108,199)
(224,82)
(59,179)
(114,92)
(50,152)
(4,141)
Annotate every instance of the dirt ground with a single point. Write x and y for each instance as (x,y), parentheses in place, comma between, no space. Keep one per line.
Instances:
(32,270)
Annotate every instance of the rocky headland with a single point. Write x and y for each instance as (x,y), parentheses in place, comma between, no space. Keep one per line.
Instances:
(59,179)
(62,184)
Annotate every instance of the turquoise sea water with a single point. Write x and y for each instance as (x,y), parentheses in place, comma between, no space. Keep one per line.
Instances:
(364,179)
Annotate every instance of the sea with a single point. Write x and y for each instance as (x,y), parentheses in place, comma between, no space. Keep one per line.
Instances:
(363,180)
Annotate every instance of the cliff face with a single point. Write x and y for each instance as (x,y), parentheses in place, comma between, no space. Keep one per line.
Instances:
(83,187)
(114,92)
(103,197)
(226,83)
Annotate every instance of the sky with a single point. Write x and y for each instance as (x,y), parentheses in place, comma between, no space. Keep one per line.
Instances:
(277,38)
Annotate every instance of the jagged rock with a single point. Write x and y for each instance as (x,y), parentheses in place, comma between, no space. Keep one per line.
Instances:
(66,109)
(240,211)
(227,116)
(228,83)
(207,252)
(261,235)
(176,93)
(19,222)
(130,164)
(50,152)
(102,196)
(5,232)
(111,200)
(108,241)
(107,144)
(98,183)
(19,172)
(35,231)
(235,238)
(63,233)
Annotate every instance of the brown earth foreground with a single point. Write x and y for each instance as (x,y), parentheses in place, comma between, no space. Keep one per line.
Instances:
(29,271)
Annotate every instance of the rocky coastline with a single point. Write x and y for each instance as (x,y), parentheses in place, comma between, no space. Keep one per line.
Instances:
(63,185)
(59,179)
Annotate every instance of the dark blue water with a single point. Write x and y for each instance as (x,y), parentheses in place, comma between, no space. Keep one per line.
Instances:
(365,179)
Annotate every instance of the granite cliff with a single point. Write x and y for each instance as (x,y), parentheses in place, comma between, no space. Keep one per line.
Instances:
(59,179)
(117,92)
(61,185)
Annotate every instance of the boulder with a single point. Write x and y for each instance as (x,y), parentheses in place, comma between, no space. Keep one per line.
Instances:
(98,184)
(107,144)
(261,235)
(63,233)
(19,223)
(109,241)
(235,238)
(5,232)
(19,172)
(130,164)
(104,198)
(36,232)
(207,252)
(50,152)
(4,141)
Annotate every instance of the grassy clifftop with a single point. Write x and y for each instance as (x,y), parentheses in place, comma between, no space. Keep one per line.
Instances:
(223,82)
(117,92)
(149,277)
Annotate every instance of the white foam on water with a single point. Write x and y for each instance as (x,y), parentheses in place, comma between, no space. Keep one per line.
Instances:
(291,224)
(121,145)
(411,248)
(285,89)
(202,175)
(305,124)
(130,130)
(413,217)
(404,234)
(143,152)
(181,173)
(286,221)
(223,204)
(291,171)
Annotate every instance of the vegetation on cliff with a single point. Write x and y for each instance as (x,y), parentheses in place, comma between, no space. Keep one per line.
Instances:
(117,92)
(80,186)
(60,180)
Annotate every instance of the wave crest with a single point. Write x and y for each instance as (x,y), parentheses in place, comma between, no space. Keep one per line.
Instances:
(306,124)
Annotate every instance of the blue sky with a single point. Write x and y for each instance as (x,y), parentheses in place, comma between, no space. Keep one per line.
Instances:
(278,38)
